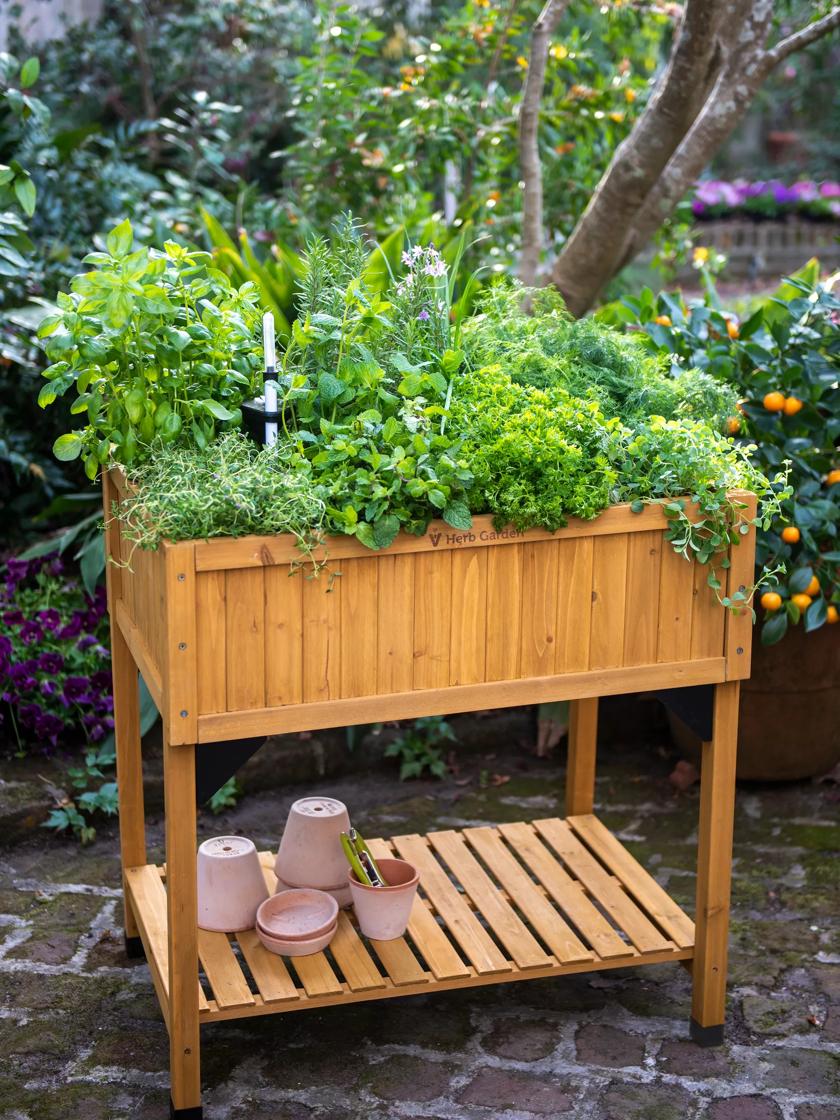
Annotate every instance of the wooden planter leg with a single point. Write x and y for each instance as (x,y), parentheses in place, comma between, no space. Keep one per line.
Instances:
(182,916)
(580,771)
(129,774)
(714,869)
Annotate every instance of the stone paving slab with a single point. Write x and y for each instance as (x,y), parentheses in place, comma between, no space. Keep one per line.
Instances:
(82,1039)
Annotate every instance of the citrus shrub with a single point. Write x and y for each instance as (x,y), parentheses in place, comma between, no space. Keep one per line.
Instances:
(783,357)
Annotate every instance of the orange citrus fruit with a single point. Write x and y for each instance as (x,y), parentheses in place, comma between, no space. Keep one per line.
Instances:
(774,402)
(732,328)
(663,320)
(771,600)
(792,406)
(833,477)
(802,600)
(831,615)
(733,425)
(790,534)
(813,587)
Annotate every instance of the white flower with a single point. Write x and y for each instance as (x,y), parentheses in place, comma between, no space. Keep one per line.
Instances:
(407,259)
(435,267)
(416,252)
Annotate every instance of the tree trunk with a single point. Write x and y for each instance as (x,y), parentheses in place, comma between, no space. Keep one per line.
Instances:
(718,63)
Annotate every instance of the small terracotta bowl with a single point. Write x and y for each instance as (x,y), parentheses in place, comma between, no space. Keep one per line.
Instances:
(297,948)
(297,915)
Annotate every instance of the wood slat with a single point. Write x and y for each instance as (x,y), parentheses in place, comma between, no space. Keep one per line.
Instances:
(562,941)
(258,551)
(539,608)
(504,618)
(644,935)
(676,583)
(432,610)
(586,918)
(460,698)
(230,988)
(399,962)
(656,901)
(211,640)
(609,570)
(574,605)
(321,638)
(353,959)
(739,627)
(179,660)
(431,942)
(316,974)
(269,971)
(395,634)
(501,917)
(245,619)
(641,618)
(467,663)
(708,617)
(459,919)
(359,617)
(283,636)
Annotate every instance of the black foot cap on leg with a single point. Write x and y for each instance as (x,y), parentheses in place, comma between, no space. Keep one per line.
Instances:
(134,948)
(196,1113)
(705,1036)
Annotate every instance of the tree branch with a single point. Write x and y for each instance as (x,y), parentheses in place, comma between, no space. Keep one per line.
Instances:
(529,151)
(596,246)
(804,37)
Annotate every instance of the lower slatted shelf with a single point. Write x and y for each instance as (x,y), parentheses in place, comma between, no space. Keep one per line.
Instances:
(517,902)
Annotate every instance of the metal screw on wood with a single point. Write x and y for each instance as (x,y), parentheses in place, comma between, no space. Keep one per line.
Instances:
(740,649)
(181,577)
(182,645)
(184,714)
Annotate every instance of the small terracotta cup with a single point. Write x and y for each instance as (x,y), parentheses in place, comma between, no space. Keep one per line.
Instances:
(383,912)
(231,884)
(310,852)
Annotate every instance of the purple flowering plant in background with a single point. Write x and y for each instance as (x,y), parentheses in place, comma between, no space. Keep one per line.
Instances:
(771,198)
(55,675)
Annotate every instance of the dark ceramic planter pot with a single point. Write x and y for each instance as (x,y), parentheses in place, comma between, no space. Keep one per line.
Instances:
(790,710)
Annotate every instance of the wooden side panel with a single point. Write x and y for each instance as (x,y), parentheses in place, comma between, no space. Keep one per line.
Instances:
(467,663)
(283,636)
(211,642)
(432,610)
(739,627)
(504,617)
(641,611)
(539,608)
(178,649)
(609,575)
(321,637)
(574,605)
(395,632)
(245,655)
(676,596)
(708,617)
(359,614)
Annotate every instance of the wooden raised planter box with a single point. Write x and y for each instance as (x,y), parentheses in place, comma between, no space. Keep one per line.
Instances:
(235,639)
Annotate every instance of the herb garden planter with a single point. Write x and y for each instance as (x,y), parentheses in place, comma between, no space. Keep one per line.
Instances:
(233,642)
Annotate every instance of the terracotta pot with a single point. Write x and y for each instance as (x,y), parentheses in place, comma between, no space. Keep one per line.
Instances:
(310,852)
(383,912)
(231,884)
(789,724)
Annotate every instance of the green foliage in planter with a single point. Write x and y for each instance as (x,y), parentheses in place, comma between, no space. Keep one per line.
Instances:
(548,348)
(364,383)
(229,488)
(538,456)
(788,343)
(158,345)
